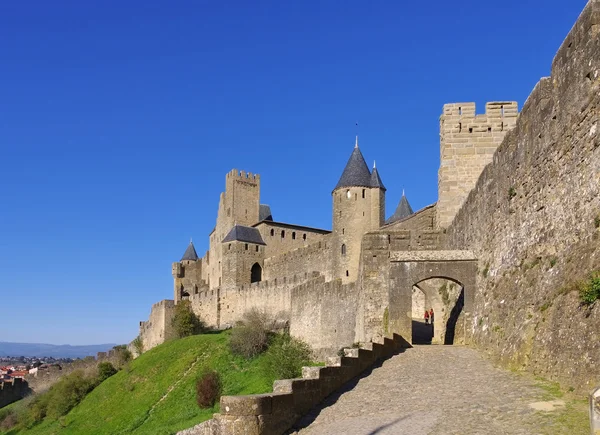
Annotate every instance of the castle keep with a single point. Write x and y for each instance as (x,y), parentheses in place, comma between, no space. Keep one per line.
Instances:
(498,256)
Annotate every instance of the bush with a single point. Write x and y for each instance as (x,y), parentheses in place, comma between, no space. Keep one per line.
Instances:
(68,392)
(208,388)
(122,354)
(589,291)
(251,336)
(105,371)
(8,420)
(286,357)
(185,322)
(138,345)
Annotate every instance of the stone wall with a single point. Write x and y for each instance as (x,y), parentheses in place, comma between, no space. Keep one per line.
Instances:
(421,220)
(281,238)
(324,314)
(300,262)
(533,218)
(467,144)
(276,412)
(13,390)
(157,329)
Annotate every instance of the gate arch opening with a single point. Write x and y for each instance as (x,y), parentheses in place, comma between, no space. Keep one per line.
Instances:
(255,273)
(445,296)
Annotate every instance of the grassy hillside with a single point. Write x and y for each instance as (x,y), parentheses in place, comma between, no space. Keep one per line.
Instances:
(155,394)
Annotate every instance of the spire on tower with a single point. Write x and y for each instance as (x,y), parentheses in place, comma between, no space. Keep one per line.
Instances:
(356,144)
(356,172)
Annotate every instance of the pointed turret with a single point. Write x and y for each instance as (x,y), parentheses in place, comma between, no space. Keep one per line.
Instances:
(376,179)
(402,211)
(356,172)
(190,253)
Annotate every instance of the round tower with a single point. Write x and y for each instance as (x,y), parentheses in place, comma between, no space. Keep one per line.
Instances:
(358,207)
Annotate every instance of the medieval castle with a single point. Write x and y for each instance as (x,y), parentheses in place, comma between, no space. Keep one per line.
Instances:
(515,227)
(254,261)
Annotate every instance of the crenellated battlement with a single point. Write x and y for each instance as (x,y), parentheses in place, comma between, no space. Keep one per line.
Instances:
(242,175)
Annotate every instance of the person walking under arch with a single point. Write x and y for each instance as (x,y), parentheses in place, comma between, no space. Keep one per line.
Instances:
(431,315)
(426,317)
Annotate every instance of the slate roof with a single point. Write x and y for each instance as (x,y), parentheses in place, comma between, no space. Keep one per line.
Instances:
(356,172)
(376,180)
(264,213)
(240,233)
(402,211)
(190,253)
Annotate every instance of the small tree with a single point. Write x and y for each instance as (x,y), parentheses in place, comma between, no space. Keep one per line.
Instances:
(208,388)
(185,322)
(251,336)
(105,371)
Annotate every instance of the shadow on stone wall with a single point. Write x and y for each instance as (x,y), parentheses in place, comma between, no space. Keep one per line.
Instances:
(452,319)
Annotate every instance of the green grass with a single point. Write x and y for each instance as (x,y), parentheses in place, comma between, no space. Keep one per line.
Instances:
(130,401)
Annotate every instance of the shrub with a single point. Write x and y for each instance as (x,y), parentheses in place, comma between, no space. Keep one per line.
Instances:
(122,354)
(105,371)
(251,336)
(511,193)
(8,420)
(286,356)
(208,388)
(138,345)
(185,322)
(589,290)
(68,392)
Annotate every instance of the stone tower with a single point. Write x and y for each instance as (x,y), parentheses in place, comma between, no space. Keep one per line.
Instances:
(467,143)
(358,207)
(187,274)
(239,204)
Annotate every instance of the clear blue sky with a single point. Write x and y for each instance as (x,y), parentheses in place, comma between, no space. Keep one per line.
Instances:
(119,120)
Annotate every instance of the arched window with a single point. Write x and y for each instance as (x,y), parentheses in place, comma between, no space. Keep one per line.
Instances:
(304,237)
(272,232)
(256,273)
(282,234)
(293,235)
(343,249)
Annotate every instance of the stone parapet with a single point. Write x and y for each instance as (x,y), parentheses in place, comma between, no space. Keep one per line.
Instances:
(276,412)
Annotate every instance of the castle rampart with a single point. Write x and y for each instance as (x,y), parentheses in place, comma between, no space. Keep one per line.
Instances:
(532,221)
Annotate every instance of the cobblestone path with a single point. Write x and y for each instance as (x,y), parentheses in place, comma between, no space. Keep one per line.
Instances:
(433,390)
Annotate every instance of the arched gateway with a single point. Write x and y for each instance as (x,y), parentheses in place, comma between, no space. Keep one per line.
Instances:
(386,302)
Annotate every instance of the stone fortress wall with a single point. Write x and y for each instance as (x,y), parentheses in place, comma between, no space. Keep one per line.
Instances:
(533,221)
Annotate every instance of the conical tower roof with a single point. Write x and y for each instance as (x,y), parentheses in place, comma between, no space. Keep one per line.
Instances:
(403,210)
(190,253)
(376,179)
(356,172)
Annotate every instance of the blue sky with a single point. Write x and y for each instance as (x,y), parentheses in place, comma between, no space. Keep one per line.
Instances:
(119,120)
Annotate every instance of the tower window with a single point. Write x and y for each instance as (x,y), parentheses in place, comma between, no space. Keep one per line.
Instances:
(355,196)
(348,194)
(304,236)
(364,193)
(347,274)
(460,110)
(272,232)
(230,246)
(460,127)
(343,249)
(293,235)
(246,247)
(256,248)
(470,129)
(282,234)
(343,230)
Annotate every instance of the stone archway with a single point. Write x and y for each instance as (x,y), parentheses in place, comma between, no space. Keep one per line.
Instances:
(410,268)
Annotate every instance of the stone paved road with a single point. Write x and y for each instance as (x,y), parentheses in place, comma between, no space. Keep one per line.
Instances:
(432,390)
